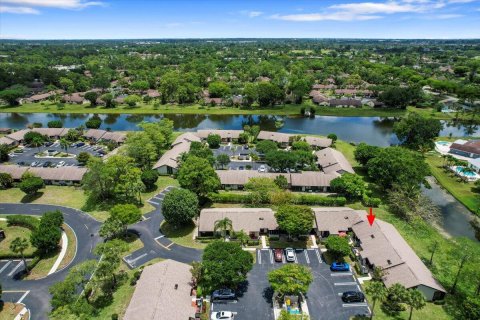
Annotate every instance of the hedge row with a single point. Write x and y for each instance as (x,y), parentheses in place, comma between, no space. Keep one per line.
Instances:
(28,222)
(306,199)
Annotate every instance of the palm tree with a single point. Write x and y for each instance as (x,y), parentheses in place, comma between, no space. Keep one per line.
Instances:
(223,225)
(377,291)
(242,236)
(37,142)
(415,300)
(64,144)
(19,245)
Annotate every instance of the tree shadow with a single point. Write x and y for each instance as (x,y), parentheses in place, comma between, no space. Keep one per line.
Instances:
(242,288)
(268,295)
(28,198)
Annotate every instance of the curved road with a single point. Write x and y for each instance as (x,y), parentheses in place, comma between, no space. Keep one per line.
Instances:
(86,230)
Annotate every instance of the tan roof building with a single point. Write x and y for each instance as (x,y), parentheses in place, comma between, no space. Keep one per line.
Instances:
(224,134)
(95,134)
(312,179)
(71,174)
(318,142)
(15,171)
(171,157)
(162,292)
(51,132)
(118,137)
(8,141)
(186,137)
(250,220)
(18,135)
(278,137)
(333,220)
(331,160)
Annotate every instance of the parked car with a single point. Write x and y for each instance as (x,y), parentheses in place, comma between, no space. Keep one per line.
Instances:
(18,151)
(223,294)
(80,144)
(353,296)
(278,254)
(262,168)
(48,144)
(102,152)
(222,315)
(290,254)
(47,164)
(34,164)
(39,164)
(60,164)
(246,147)
(21,163)
(241,168)
(340,266)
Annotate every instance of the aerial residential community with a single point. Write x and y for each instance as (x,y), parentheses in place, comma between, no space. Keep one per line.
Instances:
(231,160)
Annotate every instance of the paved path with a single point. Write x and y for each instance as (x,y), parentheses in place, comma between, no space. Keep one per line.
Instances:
(61,255)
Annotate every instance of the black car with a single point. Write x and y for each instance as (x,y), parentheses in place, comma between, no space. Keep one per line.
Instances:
(48,144)
(223,294)
(353,296)
(47,164)
(80,144)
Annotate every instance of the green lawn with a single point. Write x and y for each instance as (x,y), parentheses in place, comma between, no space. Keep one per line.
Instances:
(465,192)
(10,234)
(182,236)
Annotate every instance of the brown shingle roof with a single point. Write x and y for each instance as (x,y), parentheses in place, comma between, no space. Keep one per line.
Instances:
(96,134)
(336,219)
(51,132)
(332,160)
(15,171)
(318,142)
(312,179)
(345,102)
(472,146)
(171,157)
(274,136)
(156,296)
(18,135)
(224,134)
(246,219)
(74,174)
(186,137)
(114,136)
(6,140)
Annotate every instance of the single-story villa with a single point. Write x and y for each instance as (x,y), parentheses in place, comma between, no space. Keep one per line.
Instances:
(74,98)
(164,291)
(168,163)
(340,103)
(470,149)
(318,142)
(474,164)
(283,139)
(254,221)
(55,176)
(331,160)
(55,133)
(186,137)
(114,136)
(17,136)
(8,141)
(379,245)
(226,135)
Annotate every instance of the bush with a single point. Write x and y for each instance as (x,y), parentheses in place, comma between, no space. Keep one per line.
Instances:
(371,202)
(226,197)
(31,185)
(274,237)
(6,180)
(253,243)
(313,199)
(149,178)
(214,141)
(28,222)
(55,124)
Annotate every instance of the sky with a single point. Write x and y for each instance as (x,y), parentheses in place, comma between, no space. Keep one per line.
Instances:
(156,19)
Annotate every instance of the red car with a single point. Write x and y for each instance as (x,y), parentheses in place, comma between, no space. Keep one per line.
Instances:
(278,254)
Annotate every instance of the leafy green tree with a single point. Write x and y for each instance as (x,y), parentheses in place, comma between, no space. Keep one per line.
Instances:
(140,85)
(266,146)
(224,264)
(290,279)
(19,245)
(160,133)
(415,300)
(242,237)
(111,252)
(332,136)
(31,184)
(55,124)
(295,220)
(72,135)
(111,228)
(364,152)
(398,97)
(223,160)
(269,94)
(416,131)
(32,136)
(214,141)
(126,214)
(260,189)
(396,296)
(4,151)
(94,122)
(398,166)
(377,291)
(6,180)
(91,96)
(132,100)
(337,246)
(149,178)
(471,307)
(218,89)
(47,235)
(200,150)
(281,182)
(281,160)
(108,99)
(301,145)
(12,94)
(349,185)
(179,207)
(224,225)
(37,142)
(197,175)
(64,144)
(141,148)
(83,157)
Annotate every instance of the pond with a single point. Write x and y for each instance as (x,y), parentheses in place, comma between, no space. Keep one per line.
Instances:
(372,130)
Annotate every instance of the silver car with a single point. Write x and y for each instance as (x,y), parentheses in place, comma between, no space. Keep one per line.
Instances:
(290,254)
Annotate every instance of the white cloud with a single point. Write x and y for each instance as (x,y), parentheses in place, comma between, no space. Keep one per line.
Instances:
(253,14)
(62,4)
(340,16)
(375,7)
(18,10)
(448,16)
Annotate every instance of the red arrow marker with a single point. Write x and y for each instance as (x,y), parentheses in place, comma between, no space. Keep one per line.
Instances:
(371,217)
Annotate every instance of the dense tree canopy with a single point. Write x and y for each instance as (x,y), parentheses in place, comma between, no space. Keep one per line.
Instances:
(179,207)
(417,132)
(197,175)
(295,220)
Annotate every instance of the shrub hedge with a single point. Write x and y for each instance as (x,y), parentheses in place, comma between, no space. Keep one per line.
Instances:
(306,199)
(28,222)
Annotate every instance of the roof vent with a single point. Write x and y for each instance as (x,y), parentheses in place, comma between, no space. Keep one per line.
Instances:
(261,218)
(389,262)
(176,286)
(346,217)
(373,237)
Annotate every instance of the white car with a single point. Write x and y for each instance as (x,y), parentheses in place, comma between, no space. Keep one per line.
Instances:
(60,164)
(262,168)
(222,315)
(290,254)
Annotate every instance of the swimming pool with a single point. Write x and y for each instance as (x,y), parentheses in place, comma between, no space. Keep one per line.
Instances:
(443,143)
(466,173)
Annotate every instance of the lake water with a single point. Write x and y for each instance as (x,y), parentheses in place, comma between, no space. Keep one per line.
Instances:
(372,130)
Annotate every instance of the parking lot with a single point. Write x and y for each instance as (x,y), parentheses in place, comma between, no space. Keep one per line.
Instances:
(27,157)
(239,151)
(11,269)
(323,298)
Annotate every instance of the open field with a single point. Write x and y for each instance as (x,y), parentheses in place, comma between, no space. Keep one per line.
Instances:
(11,233)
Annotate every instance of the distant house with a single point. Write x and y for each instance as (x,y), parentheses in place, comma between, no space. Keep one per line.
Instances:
(54,133)
(320,100)
(331,160)
(318,142)
(254,221)
(153,93)
(94,134)
(9,142)
(186,137)
(74,98)
(169,161)
(344,103)
(55,176)
(17,136)
(164,291)
(117,137)
(470,149)
(283,139)
(214,101)
(226,135)
(324,87)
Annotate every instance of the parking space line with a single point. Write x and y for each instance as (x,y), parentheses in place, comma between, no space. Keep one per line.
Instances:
(15,269)
(283,258)
(306,256)
(345,284)
(352,305)
(259,257)
(295,255)
(5,266)
(23,297)
(341,274)
(271,256)
(318,255)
